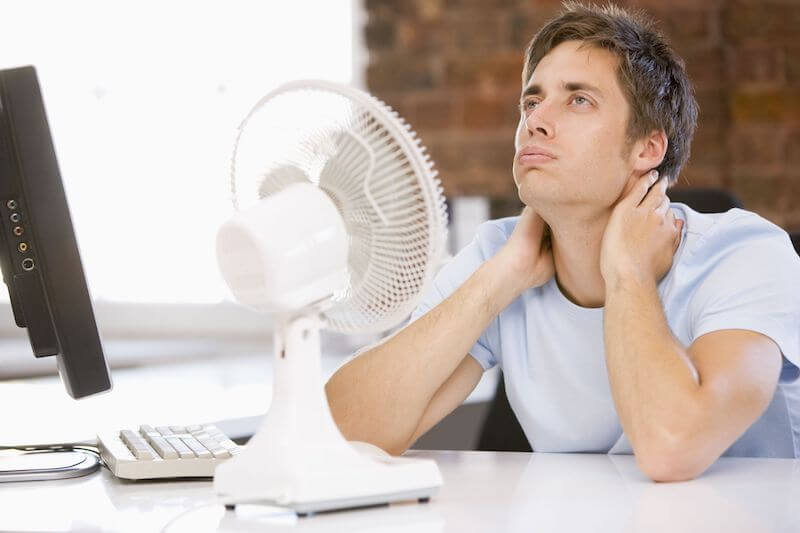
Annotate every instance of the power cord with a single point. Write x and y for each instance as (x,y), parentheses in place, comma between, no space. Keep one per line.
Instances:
(84,446)
(87,446)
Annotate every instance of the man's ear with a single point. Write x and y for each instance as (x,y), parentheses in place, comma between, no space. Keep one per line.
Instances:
(649,151)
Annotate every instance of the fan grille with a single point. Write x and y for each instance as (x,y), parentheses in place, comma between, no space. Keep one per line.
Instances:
(337,137)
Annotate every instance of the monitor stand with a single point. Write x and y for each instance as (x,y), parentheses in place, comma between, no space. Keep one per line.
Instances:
(33,466)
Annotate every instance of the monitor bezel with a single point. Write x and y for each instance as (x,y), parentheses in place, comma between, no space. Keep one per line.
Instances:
(52,299)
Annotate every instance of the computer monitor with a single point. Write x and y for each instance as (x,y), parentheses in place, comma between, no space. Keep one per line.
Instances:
(41,265)
(38,253)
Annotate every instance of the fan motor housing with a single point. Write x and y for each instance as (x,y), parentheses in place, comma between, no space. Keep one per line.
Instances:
(286,252)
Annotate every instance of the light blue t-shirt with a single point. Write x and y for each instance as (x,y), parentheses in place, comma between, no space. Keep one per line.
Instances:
(732,270)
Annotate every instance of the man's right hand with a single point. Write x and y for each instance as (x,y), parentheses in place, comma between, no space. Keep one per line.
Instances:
(528,253)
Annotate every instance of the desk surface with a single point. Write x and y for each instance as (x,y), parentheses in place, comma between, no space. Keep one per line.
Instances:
(483,491)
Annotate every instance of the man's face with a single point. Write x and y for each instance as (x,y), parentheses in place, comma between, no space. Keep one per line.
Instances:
(572,108)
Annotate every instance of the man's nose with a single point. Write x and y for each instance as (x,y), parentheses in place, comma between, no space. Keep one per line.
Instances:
(540,121)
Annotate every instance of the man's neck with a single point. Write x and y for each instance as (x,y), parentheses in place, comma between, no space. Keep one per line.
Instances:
(576,254)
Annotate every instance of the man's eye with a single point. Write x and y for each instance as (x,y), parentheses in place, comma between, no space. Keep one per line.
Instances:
(581,100)
(530,104)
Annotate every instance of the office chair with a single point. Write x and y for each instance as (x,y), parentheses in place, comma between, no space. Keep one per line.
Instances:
(705,200)
(795,236)
(501,430)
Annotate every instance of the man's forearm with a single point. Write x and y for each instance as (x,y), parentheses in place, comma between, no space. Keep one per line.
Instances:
(381,395)
(653,382)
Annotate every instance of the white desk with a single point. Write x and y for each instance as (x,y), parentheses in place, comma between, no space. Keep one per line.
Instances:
(483,491)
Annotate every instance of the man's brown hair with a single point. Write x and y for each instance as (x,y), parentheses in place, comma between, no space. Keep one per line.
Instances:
(651,74)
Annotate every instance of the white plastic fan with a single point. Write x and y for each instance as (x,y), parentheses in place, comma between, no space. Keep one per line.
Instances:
(341,223)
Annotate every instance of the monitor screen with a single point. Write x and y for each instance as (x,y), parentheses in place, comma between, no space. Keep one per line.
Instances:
(38,252)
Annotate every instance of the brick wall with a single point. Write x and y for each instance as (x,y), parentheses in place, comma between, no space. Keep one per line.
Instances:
(452,68)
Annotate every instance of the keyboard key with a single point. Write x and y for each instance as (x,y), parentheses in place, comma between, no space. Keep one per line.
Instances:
(194,428)
(164,430)
(231,446)
(163,448)
(136,445)
(147,430)
(178,429)
(198,449)
(221,453)
(214,447)
(131,438)
(183,451)
(228,444)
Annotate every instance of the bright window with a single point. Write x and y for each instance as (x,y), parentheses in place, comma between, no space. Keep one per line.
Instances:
(143,100)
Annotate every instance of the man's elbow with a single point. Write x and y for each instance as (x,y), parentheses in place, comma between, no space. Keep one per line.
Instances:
(677,462)
(396,451)
(664,468)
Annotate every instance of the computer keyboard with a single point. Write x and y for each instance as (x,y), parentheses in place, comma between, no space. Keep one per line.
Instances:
(166,451)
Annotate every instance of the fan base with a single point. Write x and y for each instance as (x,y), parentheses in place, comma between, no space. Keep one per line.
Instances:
(305,508)
(299,459)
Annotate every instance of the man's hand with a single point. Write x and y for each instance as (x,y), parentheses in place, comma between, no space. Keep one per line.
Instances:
(528,252)
(642,233)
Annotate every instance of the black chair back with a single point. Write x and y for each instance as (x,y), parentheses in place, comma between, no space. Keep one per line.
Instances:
(501,430)
(705,200)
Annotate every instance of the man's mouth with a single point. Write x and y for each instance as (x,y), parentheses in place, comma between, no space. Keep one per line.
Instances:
(535,155)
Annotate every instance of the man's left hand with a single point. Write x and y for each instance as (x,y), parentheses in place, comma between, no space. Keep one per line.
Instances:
(642,234)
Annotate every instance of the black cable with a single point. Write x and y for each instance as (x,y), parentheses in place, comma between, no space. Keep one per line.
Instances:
(94,450)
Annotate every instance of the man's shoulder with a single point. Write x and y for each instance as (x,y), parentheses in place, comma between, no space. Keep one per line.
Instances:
(738,246)
(712,236)
(493,234)
(489,238)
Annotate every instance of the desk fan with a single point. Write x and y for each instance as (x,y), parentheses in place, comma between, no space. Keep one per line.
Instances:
(340,224)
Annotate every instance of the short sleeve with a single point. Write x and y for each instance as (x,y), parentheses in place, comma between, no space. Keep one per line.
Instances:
(453,274)
(754,285)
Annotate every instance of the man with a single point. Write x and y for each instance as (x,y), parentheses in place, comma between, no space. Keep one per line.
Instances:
(623,323)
